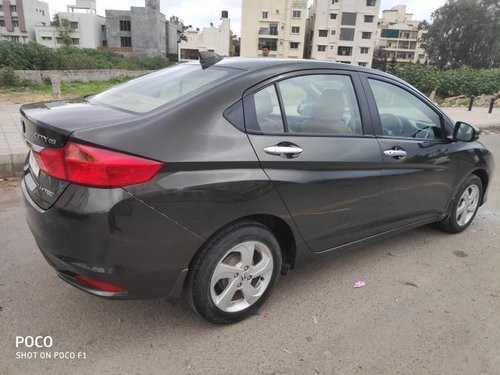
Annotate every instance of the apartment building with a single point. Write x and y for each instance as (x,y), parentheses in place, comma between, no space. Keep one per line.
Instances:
(215,39)
(399,36)
(88,30)
(18,19)
(343,30)
(140,30)
(278,24)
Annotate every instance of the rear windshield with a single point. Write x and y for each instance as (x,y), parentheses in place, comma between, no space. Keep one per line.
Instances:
(154,90)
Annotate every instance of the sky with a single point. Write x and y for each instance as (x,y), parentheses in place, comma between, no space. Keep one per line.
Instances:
(199,13)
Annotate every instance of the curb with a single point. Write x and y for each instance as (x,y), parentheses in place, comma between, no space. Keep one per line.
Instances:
(12,165)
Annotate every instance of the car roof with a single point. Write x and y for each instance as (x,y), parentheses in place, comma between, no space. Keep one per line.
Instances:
(261,63)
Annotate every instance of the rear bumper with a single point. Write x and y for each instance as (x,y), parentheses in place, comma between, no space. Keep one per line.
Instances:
(110,236)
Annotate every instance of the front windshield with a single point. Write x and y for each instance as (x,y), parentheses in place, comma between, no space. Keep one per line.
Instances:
(154,90)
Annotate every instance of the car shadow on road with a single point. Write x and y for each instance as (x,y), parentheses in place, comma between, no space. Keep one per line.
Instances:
(165,316)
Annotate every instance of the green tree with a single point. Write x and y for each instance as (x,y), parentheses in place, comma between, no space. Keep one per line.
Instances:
(465,33)
(391,67)
(64,29)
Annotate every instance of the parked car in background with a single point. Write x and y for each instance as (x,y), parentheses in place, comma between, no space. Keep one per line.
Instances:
(209,180)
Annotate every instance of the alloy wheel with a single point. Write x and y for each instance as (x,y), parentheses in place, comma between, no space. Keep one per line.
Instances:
(242,276)
(467,205)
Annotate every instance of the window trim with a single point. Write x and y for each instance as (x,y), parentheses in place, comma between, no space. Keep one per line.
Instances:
(359,92)
(377,126)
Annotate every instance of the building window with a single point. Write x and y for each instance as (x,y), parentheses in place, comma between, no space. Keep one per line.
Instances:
(366,35)
(364,50)
(125,25)
(333,16)
(13,9)
(295,29)
(349,19)
(344,51)
(371,3)
(15,23)
(126,41)
(103,28)
(296,14)
(323,33)
(270,43)
(333,32)
(346,34)
(369,19)
(46,38)
(273,29)
(321,48)
(75,41)
(264,15)
(389,33)
(362,64)
(14,38)
(59,40)
(294,45)
(335,1)
(2,23)
(73,25)
(1,8)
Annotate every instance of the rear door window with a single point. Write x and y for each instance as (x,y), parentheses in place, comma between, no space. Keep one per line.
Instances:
(317,104)
(266,117)
(321,104)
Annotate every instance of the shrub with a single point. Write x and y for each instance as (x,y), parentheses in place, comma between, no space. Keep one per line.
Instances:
(450,82)
(33,56)
(8,77)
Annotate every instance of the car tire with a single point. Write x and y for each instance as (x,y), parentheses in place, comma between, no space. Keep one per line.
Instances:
(465,206)
(234,273)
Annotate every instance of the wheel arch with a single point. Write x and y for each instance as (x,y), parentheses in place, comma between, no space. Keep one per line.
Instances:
(276,225)
(485,179)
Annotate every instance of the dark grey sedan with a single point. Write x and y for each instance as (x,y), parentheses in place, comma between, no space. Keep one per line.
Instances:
(211,179)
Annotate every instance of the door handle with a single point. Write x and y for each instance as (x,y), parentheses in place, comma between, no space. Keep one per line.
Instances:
(286,151)
(395,153)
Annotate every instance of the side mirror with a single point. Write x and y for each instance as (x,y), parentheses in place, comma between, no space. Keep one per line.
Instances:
(465,132)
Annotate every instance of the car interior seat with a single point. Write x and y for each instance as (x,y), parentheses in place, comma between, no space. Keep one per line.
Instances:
(327,114)
(268,122)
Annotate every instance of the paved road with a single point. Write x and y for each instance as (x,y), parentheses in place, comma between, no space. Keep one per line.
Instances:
(431,305)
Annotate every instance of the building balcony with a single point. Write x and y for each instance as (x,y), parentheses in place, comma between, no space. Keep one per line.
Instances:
(268,34)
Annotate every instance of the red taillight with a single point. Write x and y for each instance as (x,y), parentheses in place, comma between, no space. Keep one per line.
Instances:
(97,167)
(99,285)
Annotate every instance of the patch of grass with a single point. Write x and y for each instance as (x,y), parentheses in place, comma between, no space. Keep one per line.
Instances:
(30,92)
(78,89)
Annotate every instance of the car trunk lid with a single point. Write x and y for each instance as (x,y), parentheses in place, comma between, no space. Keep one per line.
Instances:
(50,125)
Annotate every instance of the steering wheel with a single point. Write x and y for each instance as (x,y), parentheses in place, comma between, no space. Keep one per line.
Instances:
(426,131)
(391,124)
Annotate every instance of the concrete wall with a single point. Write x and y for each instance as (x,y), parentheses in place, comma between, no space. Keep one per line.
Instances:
(79,75)
(173,33)
(148,32)
(113,33)
(148,29)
